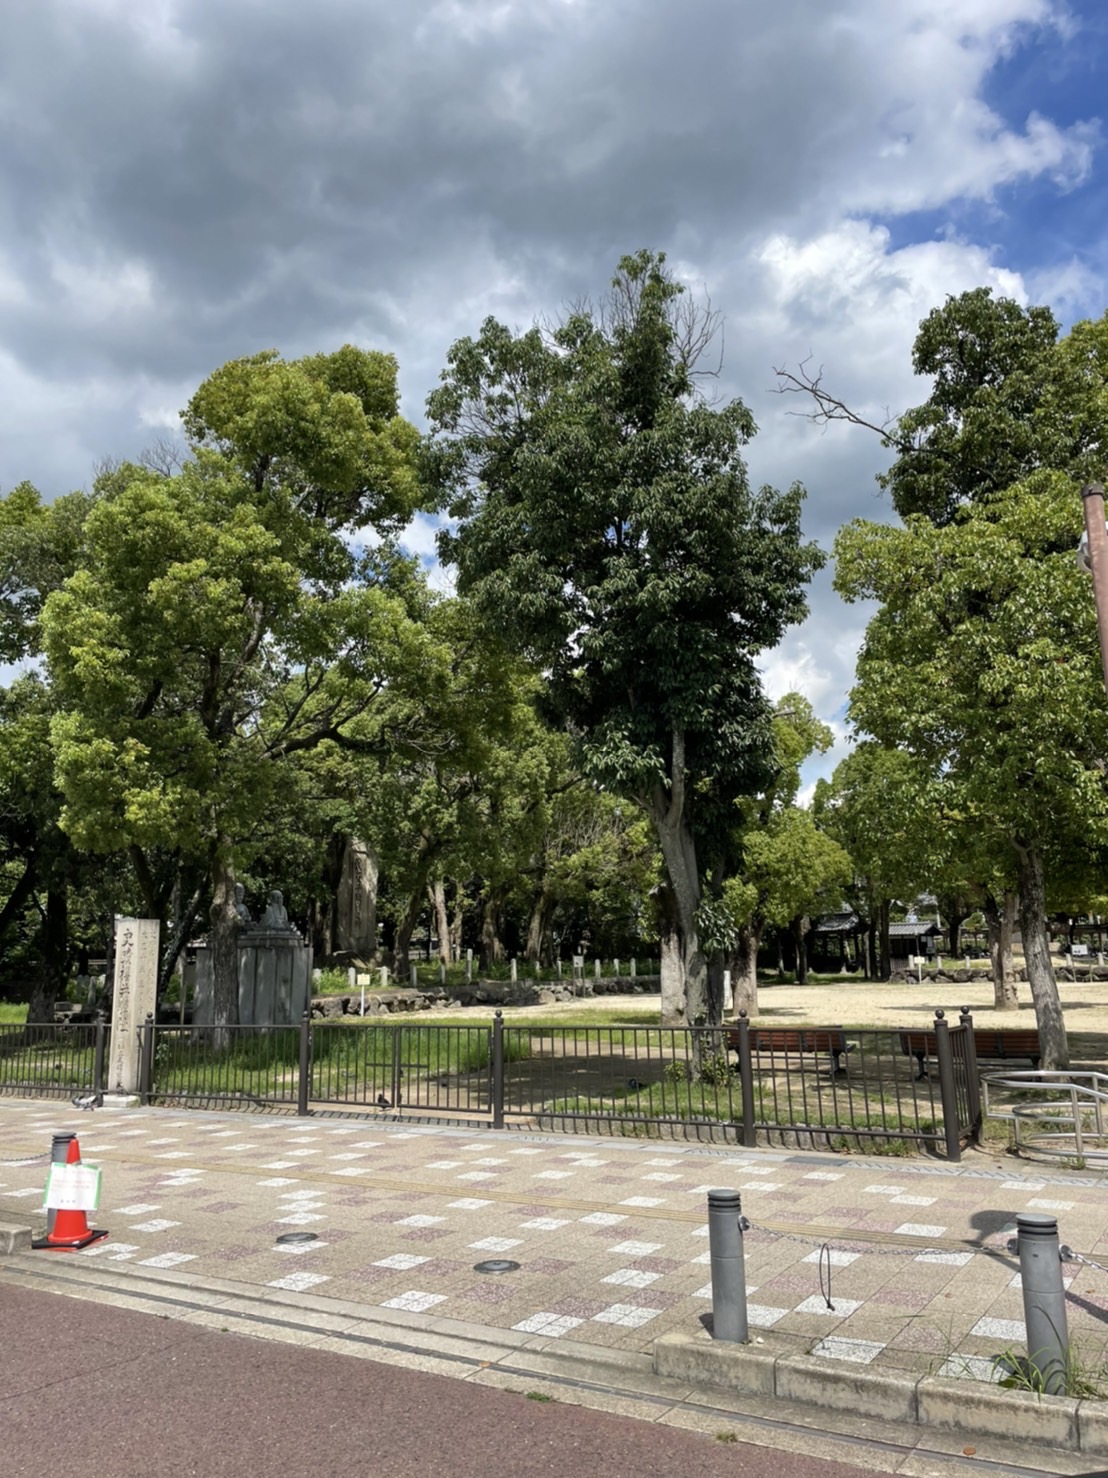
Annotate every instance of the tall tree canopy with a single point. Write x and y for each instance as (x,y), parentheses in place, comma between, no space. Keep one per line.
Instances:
(607,526)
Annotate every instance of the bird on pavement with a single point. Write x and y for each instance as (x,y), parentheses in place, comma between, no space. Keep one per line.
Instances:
(383,1102)
(89,1101)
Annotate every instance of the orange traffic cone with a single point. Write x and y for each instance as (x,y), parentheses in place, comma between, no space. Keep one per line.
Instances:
(71,1230)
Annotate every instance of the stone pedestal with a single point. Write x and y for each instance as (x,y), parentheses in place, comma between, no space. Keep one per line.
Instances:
(275,979)
(134,996)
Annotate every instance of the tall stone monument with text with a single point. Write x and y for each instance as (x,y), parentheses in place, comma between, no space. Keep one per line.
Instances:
(134,996)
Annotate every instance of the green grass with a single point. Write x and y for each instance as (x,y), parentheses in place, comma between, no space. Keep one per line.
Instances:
(13,1013)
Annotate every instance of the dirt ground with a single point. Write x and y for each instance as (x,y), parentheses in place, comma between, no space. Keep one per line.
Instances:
(1085,1003)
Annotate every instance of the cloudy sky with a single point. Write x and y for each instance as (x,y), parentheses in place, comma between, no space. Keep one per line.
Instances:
(184,181)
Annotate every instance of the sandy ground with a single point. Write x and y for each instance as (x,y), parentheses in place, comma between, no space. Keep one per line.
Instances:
(874,1004)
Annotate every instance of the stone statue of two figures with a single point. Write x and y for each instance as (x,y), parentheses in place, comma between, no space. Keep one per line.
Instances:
(275,920)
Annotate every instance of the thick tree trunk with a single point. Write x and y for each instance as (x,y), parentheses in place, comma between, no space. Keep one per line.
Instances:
(871,950)
(402,944)
(223,938)
(457,918)
(744,970)
(1000,916)
(1036,950)
(18,899)
(492,950)
(436,892)
(673,979)
(679,853)
(885,962)
(537,925)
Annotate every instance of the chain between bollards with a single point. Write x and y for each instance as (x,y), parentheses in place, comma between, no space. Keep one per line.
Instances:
(726,1225)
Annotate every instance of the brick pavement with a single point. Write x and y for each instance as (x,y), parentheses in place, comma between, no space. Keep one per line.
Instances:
(609,1234)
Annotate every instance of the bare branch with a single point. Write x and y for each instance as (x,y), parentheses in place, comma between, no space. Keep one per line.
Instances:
(830,408)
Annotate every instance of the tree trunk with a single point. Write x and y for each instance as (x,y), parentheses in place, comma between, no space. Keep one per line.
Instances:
(56,940)
(492,951)
(800,926)
(223,937)
(1036,950)
(178,935)
(536,927)
(457,918)
(780,956)
(405,926)
(885,961)
(679,852)
(1000,917)
(673,979)
(436,892)
(18,899)
(744,970)
(871,950)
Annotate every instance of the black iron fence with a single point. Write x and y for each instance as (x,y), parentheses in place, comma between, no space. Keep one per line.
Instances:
(806,1087)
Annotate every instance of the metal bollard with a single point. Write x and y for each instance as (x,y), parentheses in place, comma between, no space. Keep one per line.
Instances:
(59,1151)
(726,1224)
(1044,1299)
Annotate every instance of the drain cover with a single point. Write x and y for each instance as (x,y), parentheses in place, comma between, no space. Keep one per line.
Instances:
(496,1265)
(289,1237)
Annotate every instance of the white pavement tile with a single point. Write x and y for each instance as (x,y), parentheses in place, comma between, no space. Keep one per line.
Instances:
(912,1200)
(419,1221)
(822,1175)
(762,1316)
(158,1225)
(443,1164)
(1052,1205)
(951,1259)
(855,1351)
(116,1251)
(1023,1185)
(414,1302)
(919,1229)
(478,1175)
(759,1185)
(140,1208)
(971,1367)
(553,1174)
(838,1259)
(1010,1330)
(525,1152)
(467,1203)
(281,1165)
(303,1196)
(298,1249)
(352,1170)
(627,1316)
(401,1260)
(167,1260)
(632,1278)
(299,1282)
(660,1175)
(637,1249)
(299,1219)
(882,1190)
(277,1180)
(543,1224)
(554,1325)
(496,1244)
(641,1201)
(174,1155)
(348,1155)
(594,1218)
(817,1304)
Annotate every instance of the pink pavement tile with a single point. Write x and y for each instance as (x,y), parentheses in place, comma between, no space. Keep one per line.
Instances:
(548,1265)
(490,1292)
(579,1308)
(650,1298)
(424,1234)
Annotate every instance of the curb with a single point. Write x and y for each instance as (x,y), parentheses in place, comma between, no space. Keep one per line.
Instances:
(14,1238)
(963,1406)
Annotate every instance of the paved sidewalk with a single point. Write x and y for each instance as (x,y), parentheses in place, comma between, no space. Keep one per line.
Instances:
(609,1234)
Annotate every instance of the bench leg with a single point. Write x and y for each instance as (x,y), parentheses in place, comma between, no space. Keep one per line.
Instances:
(836,1061)
(922,1068)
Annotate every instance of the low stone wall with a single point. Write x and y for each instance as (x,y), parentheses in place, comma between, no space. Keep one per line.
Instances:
(963,976)
(482,993)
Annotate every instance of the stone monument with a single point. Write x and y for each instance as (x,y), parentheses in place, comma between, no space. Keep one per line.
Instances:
(134,996)
(275,969)
(356,901)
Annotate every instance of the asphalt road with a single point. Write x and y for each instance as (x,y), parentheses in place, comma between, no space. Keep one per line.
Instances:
(88,1388)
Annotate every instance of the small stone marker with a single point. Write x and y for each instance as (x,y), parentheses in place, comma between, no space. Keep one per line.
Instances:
(596,968)
(413,977)
(632,968)
(442,973)
(615,967)
(515,977)
(384,977)
(469,965)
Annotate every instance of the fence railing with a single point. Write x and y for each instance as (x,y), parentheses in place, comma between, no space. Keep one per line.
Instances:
(52,1060)
(804,1087)
(811,1087)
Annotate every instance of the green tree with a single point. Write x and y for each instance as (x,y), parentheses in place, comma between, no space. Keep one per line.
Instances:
(607,526)
(219,623)
(983,662)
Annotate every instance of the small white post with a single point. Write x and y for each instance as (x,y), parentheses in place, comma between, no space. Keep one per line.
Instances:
(596,964)
(413,977)
(728,993)
(362,1012)
(469,965)
(969,966)
(615,967)
(515,976)
(352,977)
(919,967)
(632,968)
(442,973)
(384,977)
(558,963)
(939,961)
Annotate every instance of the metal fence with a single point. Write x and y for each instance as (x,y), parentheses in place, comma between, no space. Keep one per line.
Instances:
(52,1060)
(803,1087)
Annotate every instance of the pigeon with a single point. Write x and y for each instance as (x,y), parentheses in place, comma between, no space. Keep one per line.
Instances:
(383,1102)
(634,1086)
(89,1101)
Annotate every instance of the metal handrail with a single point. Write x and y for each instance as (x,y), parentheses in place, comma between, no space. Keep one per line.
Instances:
(1058,1127)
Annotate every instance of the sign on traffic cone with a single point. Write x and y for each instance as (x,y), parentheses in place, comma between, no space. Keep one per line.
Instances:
(70,1231)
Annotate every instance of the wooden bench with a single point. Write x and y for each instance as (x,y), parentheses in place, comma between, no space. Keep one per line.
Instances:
(991,1044)
(831,1040)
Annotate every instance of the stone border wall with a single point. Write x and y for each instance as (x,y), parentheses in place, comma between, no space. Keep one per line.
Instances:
(482,993)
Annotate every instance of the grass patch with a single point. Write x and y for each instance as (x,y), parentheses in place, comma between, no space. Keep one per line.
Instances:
(13,1013)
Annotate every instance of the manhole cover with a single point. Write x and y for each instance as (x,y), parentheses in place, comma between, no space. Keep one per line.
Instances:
(289,1237)
(496,1265)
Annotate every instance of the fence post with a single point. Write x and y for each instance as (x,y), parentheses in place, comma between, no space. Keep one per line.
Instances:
(973,1081)
(304,1077)
(746,1083)
(947,1090)
(725,1248)
(397,1066)
(1044,1299)
(98,1056)
(498,1070)
(146,1059)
